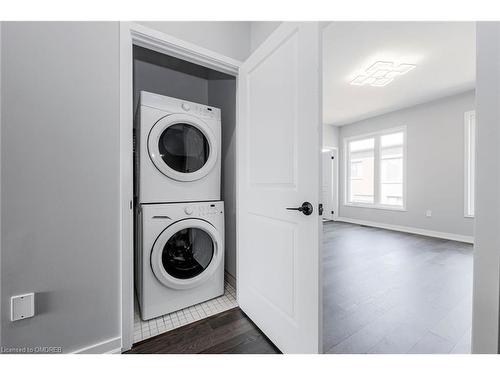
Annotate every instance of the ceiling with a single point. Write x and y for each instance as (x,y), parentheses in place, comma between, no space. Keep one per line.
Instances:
(444,54)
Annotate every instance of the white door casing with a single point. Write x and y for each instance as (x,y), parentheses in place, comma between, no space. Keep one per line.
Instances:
(327,193)
(279,166)
(330,184)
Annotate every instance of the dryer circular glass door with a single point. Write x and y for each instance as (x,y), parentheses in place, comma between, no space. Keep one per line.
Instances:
(186,253)
(182,147)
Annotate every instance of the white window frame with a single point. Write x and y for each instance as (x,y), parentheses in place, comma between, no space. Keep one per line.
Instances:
(470,128)
(376,175)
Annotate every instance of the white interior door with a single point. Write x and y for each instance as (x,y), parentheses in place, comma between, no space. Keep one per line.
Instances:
(279,138)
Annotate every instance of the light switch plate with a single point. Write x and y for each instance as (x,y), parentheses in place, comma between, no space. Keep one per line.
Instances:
(22,306)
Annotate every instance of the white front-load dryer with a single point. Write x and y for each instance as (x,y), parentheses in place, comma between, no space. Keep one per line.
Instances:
(179,150)
(179,259)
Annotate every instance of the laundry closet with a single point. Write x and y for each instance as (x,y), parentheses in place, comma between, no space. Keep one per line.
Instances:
(184,192)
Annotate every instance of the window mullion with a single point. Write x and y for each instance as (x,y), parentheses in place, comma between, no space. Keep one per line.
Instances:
(376,171)
(347,172)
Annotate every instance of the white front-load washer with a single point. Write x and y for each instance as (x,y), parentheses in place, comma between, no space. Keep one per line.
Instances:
(179,258)
(179,150)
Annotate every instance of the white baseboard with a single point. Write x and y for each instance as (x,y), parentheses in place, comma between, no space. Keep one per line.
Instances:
(110,346)
(400,228)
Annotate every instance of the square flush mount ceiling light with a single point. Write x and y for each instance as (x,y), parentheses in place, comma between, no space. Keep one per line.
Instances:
(381,73)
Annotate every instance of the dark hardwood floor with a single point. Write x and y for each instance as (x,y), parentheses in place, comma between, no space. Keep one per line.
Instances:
(383,292)
(230,332)
(393,292)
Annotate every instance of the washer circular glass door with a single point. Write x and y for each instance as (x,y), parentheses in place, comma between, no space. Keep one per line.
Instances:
(186,253)
(182,147)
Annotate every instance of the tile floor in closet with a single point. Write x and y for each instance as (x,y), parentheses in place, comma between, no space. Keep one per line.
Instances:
(168,322)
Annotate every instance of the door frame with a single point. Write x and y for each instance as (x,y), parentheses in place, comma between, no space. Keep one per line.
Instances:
(131,34)
(336,205)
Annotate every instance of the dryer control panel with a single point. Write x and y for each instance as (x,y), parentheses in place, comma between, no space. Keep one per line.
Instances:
(200,110)
(174,105)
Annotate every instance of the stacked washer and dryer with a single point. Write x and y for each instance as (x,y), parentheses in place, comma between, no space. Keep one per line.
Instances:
(179,221)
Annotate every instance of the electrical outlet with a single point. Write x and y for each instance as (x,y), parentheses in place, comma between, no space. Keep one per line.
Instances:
(22,306)
(428,213)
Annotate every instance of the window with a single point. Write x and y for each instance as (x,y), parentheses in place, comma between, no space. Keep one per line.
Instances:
(391,169)
(361,179)
(375,170)
(356,170)
(470,162)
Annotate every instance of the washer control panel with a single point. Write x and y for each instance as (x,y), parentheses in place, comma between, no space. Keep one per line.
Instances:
(206,209)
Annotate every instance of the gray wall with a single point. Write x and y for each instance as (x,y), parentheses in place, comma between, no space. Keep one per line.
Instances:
(222,94)
(60,173)
(164,81)
(435,166)
(260,30)
(486,292)
(331,136)
(231,39)
(60,182)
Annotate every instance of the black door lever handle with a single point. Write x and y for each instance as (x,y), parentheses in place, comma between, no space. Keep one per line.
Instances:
(306,208)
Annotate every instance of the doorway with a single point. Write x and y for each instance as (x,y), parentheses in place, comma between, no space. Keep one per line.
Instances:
(280,295)
(273,179)
(184,194)
(397,261)
(148,59)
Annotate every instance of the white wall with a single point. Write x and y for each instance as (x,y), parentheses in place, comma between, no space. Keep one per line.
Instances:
(60,182)
(231,39)
(260,30)
(435,166)
(331,136)
(486,292)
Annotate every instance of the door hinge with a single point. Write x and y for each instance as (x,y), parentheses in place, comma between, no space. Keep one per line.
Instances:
(320,209)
